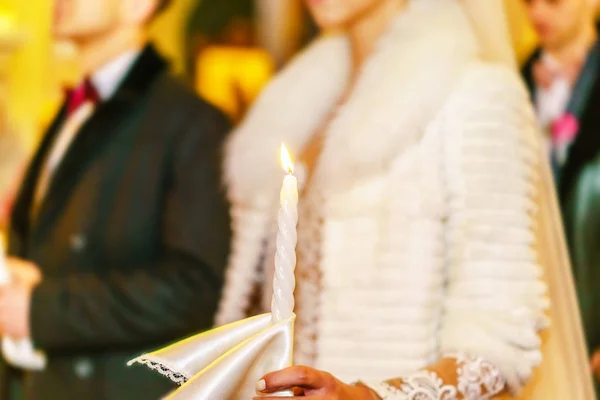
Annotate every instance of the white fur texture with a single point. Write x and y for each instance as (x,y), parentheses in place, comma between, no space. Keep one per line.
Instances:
(401,86)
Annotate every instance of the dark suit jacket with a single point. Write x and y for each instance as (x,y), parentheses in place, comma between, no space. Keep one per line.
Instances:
(579,193)
(132,238)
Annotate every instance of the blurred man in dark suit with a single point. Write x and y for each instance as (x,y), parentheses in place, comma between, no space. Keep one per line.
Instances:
(563,78)
(120,231)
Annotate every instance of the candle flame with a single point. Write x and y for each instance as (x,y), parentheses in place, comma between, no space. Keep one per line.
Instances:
(286,160)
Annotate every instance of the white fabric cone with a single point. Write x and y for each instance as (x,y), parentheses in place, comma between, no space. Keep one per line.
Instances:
(225,363)
(184,359)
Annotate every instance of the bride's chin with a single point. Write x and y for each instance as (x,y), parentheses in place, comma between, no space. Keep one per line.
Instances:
(342,14)
(328,21)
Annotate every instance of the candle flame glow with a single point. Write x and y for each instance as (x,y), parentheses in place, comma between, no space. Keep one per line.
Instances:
(286,160)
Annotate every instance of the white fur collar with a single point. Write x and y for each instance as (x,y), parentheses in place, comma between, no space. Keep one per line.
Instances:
(401,88)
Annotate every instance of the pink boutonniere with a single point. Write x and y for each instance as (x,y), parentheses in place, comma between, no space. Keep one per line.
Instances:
(563,132)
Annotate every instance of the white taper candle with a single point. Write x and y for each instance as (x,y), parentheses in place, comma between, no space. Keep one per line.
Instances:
(284,281)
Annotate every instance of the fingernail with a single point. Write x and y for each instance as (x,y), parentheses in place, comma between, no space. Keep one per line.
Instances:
(261,385)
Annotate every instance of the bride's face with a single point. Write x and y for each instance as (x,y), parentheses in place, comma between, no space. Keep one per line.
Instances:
(333,14)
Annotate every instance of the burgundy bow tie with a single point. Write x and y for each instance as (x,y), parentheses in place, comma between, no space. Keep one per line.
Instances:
(78,96)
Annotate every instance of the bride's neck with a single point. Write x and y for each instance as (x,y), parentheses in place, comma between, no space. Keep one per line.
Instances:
(366,30)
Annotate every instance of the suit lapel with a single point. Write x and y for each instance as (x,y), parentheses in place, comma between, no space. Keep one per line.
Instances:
(20,218)
(587,143)
(89,142)
(527,72)
(106,122)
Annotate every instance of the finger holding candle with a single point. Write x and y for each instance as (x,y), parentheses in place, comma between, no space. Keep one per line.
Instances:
(19,352)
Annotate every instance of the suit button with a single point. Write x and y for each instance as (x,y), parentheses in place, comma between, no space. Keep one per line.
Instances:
(84,368)
(77,242)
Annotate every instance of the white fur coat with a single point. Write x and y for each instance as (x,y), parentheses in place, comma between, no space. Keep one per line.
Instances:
(429,175)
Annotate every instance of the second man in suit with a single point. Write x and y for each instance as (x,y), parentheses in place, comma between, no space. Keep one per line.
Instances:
(563,77)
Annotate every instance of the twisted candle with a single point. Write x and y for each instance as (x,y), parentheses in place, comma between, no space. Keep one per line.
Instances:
(284,281)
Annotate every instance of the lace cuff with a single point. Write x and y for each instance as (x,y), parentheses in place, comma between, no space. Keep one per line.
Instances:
(424,385)
(477,379)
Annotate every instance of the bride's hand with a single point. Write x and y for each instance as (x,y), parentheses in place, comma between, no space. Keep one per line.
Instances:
(308,382)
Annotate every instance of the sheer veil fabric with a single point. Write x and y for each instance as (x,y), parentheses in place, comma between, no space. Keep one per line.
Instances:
(564,372)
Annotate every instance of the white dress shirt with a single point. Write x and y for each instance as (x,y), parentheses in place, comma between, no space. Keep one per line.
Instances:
(108,78)
(552,102)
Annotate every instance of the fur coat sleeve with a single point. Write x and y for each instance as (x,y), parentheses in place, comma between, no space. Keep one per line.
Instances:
(496,296)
